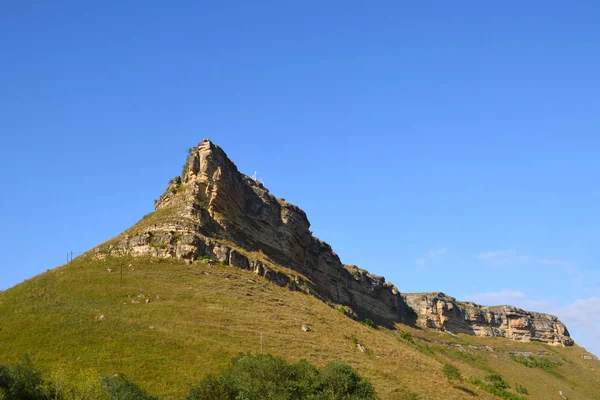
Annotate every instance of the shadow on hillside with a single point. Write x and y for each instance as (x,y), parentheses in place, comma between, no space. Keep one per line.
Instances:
(466,390)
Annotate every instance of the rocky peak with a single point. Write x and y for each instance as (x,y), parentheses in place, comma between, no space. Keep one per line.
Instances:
(213,211)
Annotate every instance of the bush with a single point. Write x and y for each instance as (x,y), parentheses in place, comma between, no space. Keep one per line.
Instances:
(259,377)
(119,387)
(369,323)
(521,389)
(212,388)
(496,385)
(452,373)
(340,381)
(496,380)
(85,385)
(407,336)
(531,362)
(21,381)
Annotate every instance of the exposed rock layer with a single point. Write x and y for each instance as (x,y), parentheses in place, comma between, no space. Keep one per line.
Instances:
(214,211)
(438,311)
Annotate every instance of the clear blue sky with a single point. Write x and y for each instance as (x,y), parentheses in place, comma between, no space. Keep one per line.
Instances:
(449,146)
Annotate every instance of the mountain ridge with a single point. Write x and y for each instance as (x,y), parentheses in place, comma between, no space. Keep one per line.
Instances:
(213,210)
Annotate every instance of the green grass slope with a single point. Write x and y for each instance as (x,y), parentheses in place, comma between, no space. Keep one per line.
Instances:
(168,324)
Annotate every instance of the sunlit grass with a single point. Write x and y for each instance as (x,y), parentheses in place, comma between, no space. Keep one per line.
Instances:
(169,324)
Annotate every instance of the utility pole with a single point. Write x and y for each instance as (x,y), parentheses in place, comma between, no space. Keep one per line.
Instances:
(71,255)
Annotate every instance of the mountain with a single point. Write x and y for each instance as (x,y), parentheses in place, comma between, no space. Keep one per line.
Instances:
(221,262)
(215,211)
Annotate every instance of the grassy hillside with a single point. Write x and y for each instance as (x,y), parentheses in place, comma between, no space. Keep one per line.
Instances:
(169,324)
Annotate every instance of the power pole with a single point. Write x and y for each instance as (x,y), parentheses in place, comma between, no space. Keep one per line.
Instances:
(71,255)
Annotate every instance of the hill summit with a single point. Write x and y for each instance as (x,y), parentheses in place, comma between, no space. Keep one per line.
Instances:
(214,212)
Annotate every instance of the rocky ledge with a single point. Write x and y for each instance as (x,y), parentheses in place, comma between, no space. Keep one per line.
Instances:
(439,311)
(212,211)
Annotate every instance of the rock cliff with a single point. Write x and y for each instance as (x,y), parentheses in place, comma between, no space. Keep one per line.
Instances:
(439,311)
(214,212)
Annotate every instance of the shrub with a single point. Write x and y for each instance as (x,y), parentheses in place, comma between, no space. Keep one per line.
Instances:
(85,385)
(340,381)
(369,323)
(185,168)
(262,376)
(497,381)
(521,389)
(21,381)
(496,385)
(531,362)
(452,373)
(212,387)
(407,336)
(120,388)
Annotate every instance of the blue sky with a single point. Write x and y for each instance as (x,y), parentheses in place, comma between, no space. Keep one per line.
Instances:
(449,146)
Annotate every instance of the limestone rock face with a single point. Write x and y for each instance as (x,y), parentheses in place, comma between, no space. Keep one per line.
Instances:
(214,213)
(438,311)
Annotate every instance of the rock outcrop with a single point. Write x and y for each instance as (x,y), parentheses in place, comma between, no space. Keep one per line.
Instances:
(214,212)
(439,311)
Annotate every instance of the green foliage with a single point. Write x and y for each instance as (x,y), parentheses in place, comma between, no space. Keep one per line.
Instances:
(185,168)
(462,355)
(497,386)
(425,348)
(531,362)
(521,389)
(86,385)
(407,336)
(120,388)
(212,387)
(148,215)
(340,381)
(21,381)
(497,381)
(369,323)
(155,245)
(251,377)
(248,377)
(452,373)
